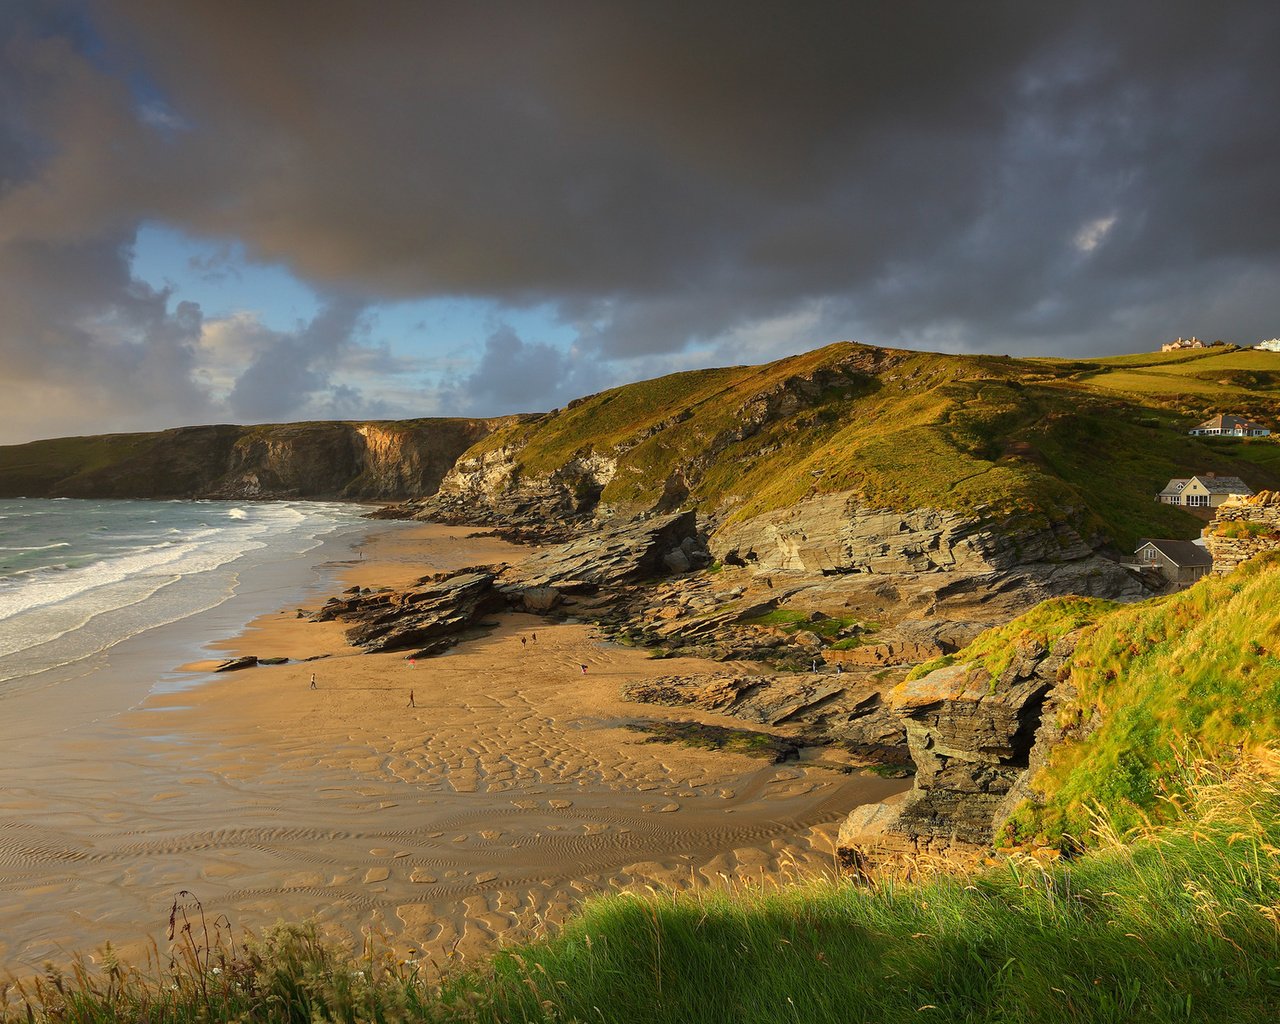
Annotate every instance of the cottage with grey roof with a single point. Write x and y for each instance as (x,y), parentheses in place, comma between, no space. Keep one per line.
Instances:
(1203,492)
(1179,561)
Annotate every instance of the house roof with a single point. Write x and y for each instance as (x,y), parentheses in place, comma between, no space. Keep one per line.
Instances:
(1226,421)
(1175,485)
(1224,484)
(1182,553)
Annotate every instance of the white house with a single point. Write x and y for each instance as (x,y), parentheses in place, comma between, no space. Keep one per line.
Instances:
(1270,345)
(1226,425)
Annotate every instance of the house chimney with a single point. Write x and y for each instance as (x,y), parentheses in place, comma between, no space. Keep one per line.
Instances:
(1211,475)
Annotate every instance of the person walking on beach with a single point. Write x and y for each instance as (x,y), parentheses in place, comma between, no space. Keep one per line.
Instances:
(411,703)
(313,680)
(584,669)
(523,641)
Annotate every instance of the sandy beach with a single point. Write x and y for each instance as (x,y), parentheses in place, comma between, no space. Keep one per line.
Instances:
(489,809)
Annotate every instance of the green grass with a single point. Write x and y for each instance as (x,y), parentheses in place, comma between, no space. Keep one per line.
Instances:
(792,620)
(1177,925)
(994,649)
(1201,666)
(1020,442)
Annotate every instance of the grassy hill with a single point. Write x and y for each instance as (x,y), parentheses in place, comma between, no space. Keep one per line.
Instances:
(1091,440)
(1195,671)
(385,459)
(986,434)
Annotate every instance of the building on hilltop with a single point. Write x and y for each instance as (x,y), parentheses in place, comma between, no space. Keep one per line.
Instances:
(1179,561)
(1199,494)
(1174,346)
(1227,425)
(1270,345)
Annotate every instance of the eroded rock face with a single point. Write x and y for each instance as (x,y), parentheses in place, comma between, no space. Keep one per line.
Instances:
(425,619)
(492,489)
(973,739)
(930,560)
(822,709)
(622,554)
(430,616)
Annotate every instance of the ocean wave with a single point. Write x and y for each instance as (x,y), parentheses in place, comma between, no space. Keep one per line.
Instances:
(237,513)
(40,547)
(195,554)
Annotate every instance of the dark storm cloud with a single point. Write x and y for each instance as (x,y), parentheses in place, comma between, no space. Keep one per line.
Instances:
(672,176)
(682,169)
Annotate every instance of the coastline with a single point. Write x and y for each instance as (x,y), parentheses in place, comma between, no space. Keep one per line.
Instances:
(511,791)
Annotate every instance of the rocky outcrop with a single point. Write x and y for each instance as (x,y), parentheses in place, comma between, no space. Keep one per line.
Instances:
(380,461)
(492,488)
(833,535)
(924,563)
(974,740)
(1243,528)
(432,615)
(427,618)
(632,551)
(819,709)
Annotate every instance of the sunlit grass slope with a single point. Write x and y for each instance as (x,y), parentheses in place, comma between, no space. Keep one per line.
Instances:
(1178,925)
(1090,441)
(979,434)
(1199,667)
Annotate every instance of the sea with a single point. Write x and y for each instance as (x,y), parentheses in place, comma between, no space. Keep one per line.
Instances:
(81,581)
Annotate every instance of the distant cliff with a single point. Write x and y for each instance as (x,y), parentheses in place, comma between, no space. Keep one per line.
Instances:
(382,461)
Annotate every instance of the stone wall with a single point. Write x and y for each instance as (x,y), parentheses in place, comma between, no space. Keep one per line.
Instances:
(1243,528)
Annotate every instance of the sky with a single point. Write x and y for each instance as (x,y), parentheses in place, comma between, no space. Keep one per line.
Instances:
(237,211)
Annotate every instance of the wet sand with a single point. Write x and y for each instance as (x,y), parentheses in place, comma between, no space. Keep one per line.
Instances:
(511,791)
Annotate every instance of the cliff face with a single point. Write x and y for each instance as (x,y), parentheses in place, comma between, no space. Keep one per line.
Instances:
(975,740)
(372,461)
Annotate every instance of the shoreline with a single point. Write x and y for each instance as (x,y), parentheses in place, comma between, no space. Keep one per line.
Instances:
(512,791)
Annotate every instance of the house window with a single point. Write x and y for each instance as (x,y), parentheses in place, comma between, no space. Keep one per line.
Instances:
(1197,500)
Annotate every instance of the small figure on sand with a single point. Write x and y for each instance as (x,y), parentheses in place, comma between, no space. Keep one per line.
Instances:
(584,669)
(411,703)
(534,637)
(313,680)
(523,641)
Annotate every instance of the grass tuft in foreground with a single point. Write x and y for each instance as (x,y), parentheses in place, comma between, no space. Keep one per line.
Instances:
(1177,924)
